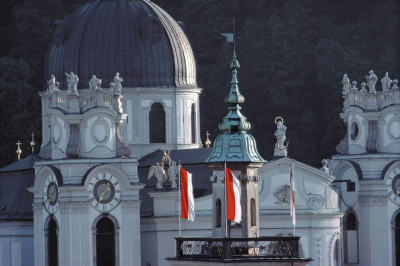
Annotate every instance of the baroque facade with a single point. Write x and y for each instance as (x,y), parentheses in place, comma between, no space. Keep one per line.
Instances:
(121,91)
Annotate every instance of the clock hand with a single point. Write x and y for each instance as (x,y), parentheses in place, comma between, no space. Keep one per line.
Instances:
(104,192)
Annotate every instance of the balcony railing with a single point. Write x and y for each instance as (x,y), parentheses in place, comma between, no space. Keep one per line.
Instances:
(230,248)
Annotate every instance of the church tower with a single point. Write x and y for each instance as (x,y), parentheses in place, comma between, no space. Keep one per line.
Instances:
(370,158)
(236,148)
(86,190)
(154,59)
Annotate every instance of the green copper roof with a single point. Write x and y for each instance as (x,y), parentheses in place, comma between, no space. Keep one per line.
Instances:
(234,144)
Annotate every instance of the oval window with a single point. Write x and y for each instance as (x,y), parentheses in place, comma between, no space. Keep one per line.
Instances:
(354,131)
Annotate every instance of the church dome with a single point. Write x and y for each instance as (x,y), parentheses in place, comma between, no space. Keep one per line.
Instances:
(133,37)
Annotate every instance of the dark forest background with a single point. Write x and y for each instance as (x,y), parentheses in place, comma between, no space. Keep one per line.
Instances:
(293,55)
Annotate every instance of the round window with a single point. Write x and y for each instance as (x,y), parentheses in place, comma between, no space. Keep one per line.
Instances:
(354,131)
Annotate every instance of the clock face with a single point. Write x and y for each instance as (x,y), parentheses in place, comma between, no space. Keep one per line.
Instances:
(393,184)
(51,193)
(104,192)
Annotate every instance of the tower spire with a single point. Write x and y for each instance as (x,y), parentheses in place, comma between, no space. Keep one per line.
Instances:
(234,144)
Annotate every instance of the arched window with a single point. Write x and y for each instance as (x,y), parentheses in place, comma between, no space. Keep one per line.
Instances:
(105,241)
(253,212)
(157,123)
(397,238)
(350,230)
(52,242)
(218,213)
(193,121)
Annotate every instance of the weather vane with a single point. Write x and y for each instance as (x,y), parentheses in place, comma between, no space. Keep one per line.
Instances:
(231,37)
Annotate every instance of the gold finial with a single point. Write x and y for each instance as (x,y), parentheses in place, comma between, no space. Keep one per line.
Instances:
(33,142)
(208,142)
(19,151)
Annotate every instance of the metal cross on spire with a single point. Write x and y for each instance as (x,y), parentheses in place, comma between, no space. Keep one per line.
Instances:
(33,142)
(19,151)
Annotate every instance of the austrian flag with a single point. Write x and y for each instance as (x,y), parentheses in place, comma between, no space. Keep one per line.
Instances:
(234,210)
(187,199)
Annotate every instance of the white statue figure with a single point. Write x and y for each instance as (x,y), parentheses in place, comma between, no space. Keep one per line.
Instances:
(386,81)
(363,89)
(51,83)
(354,86)
(72,80)
(172,172)
(346,84)
(395,87)
(95,83)
(117,83)
(280,134)
(371,81)
(158,172)
(324,167)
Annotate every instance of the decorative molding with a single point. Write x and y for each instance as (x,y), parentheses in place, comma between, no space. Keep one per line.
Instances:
(332,242)
(316,202)
(74,207)
(37,207)
(318,245)
(130,206)
(283,195)
(369,200)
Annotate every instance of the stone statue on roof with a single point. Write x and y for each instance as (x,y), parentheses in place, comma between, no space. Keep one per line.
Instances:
(386,81)
(280,134)
(371,81)
(95,83)
(72,80)
(117,84)
(51,83)
(363,89)
(346,84)
(158,172)
(324,167)
(173,172)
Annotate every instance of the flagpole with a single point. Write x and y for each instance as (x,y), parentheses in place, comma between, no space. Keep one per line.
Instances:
(180,207)
(226,203)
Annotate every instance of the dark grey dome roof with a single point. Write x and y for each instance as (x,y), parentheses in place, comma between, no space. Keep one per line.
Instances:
(133,37)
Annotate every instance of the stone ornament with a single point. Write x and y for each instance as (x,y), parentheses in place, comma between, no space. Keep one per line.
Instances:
(354,86)
(72,80)
(395,87)
(324,167)
(363,89)
(346,84)
(117,87)
(158,172)
(280,134)
(95,83)
(386,81)
(283,195)
(371,81)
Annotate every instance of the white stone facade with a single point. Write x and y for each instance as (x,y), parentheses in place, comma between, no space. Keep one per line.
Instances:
(370,157)
(177,104)
(317,212)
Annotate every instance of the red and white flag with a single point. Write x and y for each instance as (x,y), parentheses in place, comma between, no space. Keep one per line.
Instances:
(234,210)
(292,199)
(187,199)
